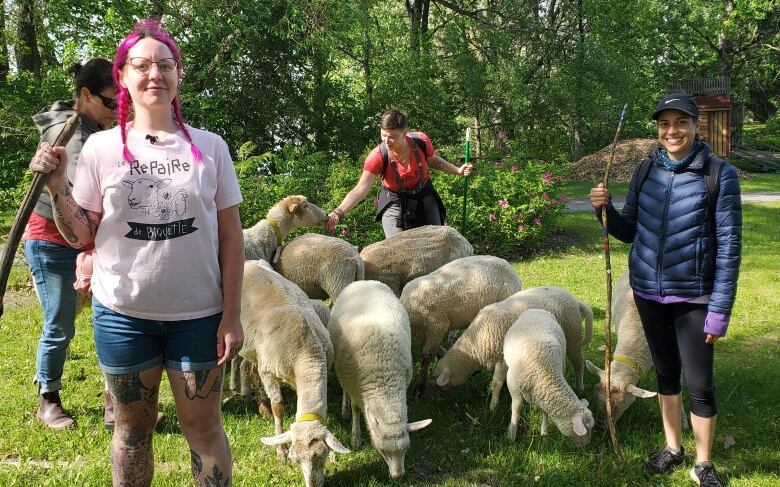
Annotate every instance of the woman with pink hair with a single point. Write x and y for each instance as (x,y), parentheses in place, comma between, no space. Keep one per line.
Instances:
(159,199)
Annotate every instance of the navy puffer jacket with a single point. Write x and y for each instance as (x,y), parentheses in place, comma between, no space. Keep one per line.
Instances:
(675,251)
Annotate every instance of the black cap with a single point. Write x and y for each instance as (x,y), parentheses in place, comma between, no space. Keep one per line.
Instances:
(677,101)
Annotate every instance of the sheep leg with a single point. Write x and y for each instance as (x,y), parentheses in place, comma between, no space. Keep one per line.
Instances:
(517,406)
(245,376)
(273,389)
(422,378)
(345,405)
(543,431)
(356,437)
(499,377)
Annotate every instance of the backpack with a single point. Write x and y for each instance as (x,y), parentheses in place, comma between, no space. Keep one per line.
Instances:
(386,157)
(711,169)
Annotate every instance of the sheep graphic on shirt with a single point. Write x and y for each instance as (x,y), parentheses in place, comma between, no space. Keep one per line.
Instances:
(149,196)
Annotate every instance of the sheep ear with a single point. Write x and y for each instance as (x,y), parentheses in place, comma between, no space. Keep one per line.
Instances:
(444,378)
(593,369)
(632,389)
(297,201)
(277,440)
(334,443)
(578,425)
(127,184)
(418,425)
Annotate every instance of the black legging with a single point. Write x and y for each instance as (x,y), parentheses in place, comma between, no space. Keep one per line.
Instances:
(675,334)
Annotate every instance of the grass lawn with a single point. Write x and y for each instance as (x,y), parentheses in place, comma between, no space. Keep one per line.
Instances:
(465,445)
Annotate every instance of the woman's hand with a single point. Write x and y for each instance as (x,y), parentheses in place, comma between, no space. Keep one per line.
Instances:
(334,217)
(465,169)
(711,339)
(230,339)
(599,196)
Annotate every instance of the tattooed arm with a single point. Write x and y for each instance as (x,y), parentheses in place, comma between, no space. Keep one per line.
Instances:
(77,225)
(437,162)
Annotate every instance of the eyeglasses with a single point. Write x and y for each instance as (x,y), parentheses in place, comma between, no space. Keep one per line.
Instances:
(143,66)
(109,103)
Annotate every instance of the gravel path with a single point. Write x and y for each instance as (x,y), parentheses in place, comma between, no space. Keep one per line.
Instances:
(583,204)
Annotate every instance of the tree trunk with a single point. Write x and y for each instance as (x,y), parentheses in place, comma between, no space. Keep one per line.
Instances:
(28,57)
(577,152)
(418,21)
(4,65)
(368,49)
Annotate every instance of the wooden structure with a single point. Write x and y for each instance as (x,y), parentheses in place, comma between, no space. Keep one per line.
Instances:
(715,111)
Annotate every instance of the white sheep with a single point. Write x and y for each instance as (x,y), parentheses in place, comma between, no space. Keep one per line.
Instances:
(450,297)
(321,309)
(320,265)
(372,345)
(284,337)
(631,358)
(534,350)
(413,253)
(481,345)
(262,240)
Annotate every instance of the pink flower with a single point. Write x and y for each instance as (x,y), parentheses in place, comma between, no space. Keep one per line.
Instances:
(376,202)
(545,197)
(515,167)
(548,178)
(503,203)
(553,202)
(518,216)
(564,198)
(537,221)
(558,178)
(502,135)
(344,232)
(521,228)
(492,217)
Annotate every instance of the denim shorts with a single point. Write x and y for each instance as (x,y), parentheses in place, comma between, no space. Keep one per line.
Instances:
(127,345)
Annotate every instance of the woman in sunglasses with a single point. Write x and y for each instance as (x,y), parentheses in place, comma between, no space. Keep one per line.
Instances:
(51,259)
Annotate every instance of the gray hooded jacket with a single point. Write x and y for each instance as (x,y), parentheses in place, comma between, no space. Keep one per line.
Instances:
(49,122)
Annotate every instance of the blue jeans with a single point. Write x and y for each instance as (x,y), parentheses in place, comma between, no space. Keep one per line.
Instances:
(53,269)
(127,345)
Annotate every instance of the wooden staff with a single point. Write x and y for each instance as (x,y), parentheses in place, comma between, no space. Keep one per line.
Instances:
(608,311)
(30,199)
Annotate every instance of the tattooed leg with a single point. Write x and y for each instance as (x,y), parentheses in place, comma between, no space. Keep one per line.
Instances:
(198,401)
(135,407)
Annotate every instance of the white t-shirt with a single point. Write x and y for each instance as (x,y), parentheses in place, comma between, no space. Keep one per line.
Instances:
(157,244)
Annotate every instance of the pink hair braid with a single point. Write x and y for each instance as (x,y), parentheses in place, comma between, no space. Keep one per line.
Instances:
(196,154)
(123,107)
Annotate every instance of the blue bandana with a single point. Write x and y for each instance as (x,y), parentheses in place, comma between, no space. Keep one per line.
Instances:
(676,165)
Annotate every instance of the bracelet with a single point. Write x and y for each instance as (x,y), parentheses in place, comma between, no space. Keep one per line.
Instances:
(338,211)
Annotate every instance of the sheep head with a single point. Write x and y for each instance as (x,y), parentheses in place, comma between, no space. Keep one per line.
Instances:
(392,441)
(303,213)
(455,368)
(310,443)
(623,392)
(581,425)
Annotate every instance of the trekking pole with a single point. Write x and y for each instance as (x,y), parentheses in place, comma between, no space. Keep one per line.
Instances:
(38,182)
(608,311)
(466,182)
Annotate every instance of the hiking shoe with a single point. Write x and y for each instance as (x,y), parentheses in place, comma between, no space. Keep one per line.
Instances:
(664,460)
(704,474)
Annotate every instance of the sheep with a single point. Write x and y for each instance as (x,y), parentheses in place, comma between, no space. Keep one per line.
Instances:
(534,350)
(413,253)
(321,309)
(284,337)
(320,265)
(265,238)
(450,297)
(480,346)
(631,359)
(372,345)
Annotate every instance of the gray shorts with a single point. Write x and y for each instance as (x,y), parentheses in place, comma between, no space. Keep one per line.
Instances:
(390,216)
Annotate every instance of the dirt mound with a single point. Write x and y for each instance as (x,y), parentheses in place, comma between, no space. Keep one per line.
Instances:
(628,154)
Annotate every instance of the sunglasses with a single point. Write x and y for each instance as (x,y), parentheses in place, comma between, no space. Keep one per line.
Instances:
(109,103)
